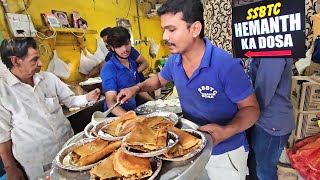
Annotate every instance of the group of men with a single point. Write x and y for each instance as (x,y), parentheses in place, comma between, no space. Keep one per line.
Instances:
(213,88)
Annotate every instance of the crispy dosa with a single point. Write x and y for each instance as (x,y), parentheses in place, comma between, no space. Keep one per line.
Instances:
(105,170)
(157,121)
(113,126)
(130,166)
(92,152)
(144,138)
(187,143)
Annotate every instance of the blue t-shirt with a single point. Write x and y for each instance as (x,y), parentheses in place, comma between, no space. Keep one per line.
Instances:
(273,94)
(211,94)
(134,54)
(115,76)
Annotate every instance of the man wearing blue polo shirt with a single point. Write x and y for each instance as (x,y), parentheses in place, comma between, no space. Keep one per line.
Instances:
(273,128)
(142,63)
(213,89)
(120,71)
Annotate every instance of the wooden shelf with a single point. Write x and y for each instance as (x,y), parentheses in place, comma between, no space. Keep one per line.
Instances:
(69,30)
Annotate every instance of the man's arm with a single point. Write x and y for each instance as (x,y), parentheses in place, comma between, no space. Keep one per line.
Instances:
(13,171)
(151,84)
(145,96)
(95,71)
(111,100)
(247,115)
(143,64)
(67,96)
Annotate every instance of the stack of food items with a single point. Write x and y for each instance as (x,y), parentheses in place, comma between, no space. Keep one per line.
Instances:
(143,134)
(120,165)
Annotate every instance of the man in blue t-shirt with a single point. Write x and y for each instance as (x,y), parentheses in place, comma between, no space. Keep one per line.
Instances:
(120,71)
(271,132)
(213,89)
(142,63)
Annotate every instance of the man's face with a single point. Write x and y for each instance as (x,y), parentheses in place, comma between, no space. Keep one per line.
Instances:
(123,51)
(30,64)
(176,33)
(105,38)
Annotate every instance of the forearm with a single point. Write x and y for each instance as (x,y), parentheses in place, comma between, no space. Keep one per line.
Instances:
(142,67)
(244,119)
(143,64)
(6,154)
(151,84)
(75,101)
(145,96)
(118,111)
(94,72)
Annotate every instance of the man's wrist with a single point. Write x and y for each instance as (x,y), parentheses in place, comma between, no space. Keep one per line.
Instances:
(231,130)
(139,88)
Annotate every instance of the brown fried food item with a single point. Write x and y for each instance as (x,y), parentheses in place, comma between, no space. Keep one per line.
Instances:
(113,126)
(144,138)
(157,121)
(105,170)
(187,143)
(92,152)
(131,167)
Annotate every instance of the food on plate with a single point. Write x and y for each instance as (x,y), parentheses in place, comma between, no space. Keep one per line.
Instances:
(105,170)
(130,166)
(126,126)
(120,165)
(187,143)
(144,138)
(93,151)
(156,122)
(114,127)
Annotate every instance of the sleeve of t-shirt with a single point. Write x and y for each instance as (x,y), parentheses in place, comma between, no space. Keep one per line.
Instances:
(235,81)
(166,71)
(134,54)
(108,77)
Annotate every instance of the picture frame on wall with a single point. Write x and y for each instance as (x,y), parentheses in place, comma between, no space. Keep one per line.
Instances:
(77,21)
(62,17)
(50,20)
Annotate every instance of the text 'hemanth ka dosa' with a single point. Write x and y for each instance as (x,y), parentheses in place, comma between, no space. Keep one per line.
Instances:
(267,26)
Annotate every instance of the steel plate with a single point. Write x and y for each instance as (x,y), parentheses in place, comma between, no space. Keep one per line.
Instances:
(195,133)
(63,158)
(172,140)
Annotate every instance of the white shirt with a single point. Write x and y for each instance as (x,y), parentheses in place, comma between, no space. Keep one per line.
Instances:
(33,118)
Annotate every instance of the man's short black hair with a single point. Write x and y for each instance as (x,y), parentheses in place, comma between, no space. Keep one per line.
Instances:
(118,37)
(105,32)
(192,11)
(16,47)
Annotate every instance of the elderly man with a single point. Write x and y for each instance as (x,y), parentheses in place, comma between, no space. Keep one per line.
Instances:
(32,125)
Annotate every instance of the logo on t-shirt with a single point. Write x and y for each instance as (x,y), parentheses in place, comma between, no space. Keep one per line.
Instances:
(207,92)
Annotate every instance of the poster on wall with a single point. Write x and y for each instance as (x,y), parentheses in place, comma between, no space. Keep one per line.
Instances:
(268,28)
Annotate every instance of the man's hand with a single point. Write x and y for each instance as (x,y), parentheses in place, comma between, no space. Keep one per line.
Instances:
(93,95)
(125,94)
(217,132)
(14,173)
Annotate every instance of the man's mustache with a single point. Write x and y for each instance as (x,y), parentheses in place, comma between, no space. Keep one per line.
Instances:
(168,43)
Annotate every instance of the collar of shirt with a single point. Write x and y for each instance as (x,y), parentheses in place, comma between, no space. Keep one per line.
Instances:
(118,64)
(12,79)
